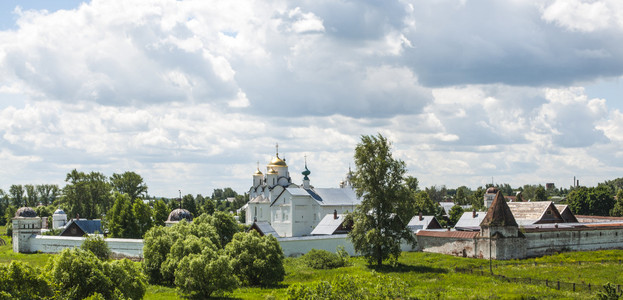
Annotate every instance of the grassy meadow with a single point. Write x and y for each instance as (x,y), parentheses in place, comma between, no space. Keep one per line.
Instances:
(429,276)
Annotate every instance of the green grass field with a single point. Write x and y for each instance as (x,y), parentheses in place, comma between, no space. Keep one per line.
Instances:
(430,276)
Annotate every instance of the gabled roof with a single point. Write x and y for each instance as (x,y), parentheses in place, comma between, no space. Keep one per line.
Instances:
(566,213)
(536,212)
(499,214)
(469,221)
(329,225)
(86,226)
(328,196)
(263,228)
(426,222)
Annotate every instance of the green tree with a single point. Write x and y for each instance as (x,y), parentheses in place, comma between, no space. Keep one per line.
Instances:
(424,204)
(47,193)
(477,199)
(461,196)
(21,281)
(201,275)
(17,195)
(142,216)
(437,194)
(540,194)
(161,212)
(188,203)
(256,260)
(455,214)
(379,223)
(156,246)
(617,210)
(121,221)
(97,245)
(224,223)
(208,207)
(412,183)
(129,183)
(127,278)
(86,194)
(31,195)
(591,201)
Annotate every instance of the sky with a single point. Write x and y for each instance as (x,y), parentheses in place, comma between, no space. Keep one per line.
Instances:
(192,95)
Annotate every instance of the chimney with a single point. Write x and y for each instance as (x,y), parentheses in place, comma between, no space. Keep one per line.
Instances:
(335,214)
(421,216)
(474,213)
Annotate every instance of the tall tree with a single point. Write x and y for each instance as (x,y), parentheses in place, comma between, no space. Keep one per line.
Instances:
(617,210)
(31,195)
(129,183)
(591,201)
(461,196)
(17,195)
(161,212)
(120,220)
(87,194)
(379,224)
(540,194)
(47,193)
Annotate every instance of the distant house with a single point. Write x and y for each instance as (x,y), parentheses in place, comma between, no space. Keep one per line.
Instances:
(77,227)
(420,222)
(263,228)
(332,224)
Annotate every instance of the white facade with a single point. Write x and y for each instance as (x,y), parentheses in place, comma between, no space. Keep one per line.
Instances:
(294,210)
(59,219)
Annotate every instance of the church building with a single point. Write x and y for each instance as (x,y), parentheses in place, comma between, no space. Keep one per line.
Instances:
(293,209)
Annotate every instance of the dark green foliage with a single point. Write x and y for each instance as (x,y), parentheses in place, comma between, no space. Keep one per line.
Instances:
(120,220)
(455,214)
(540,194)
(609,292)
(142,217)
(16,192)
(323,259)
(200,275)
(591,201)
(97,245)
(161,212)
(86,194)
(77,274)
(424,204)
(349,287)
(436,194)
(380,221)
(617,210)
(20,281)
(157,245)
(477,199)
(129,183)
(224,223)
(256,260)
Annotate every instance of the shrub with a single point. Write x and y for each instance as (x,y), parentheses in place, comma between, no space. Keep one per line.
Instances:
(350,287)
(21,281)
(78,274)
(157,244)
(97,245)
(256,260)
(323,259)
(204,274)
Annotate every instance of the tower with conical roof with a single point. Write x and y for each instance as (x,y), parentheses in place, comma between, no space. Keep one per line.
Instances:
(499,219)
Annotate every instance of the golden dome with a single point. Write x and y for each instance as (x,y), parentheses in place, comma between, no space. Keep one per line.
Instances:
(258,172)
(277,162)
(272,171)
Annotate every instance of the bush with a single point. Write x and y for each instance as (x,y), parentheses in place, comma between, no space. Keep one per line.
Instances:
(78,274)
(256,260)
(21,281)
(323,259)
(202,275)
(97,245)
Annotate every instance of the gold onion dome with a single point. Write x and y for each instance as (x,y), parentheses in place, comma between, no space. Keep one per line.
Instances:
(258,172)
(277,162)
(272,171)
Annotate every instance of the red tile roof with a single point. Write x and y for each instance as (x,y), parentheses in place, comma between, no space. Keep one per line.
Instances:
(449,234)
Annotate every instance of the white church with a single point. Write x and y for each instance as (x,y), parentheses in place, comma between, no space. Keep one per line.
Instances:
(294,210)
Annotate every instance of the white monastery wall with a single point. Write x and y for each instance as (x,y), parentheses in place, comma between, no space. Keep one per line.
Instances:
(465,247)
(54,244)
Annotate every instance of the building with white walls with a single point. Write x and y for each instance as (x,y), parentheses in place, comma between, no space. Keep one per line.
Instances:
(291,209)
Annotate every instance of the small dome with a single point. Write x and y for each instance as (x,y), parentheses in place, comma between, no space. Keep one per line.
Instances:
(179,214)
(258,172)
(492,190)
(277,162)
(272,171)
(25,212)
(59,212)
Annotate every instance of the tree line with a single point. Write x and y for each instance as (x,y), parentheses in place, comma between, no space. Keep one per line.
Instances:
(121,201)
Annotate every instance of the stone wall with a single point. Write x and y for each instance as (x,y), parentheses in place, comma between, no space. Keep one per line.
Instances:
(541,242)
(297,246)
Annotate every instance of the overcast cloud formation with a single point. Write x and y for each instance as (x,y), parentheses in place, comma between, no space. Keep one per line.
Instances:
(191,94)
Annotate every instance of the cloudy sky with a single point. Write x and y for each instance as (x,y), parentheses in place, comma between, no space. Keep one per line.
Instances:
(192,94)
